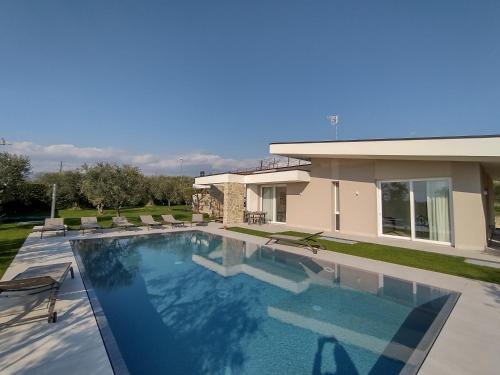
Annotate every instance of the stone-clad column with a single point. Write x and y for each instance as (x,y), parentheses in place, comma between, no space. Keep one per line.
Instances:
(234,203)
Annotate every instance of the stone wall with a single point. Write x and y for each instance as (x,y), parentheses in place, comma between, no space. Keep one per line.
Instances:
(226,200)
(211,201)
(234,203)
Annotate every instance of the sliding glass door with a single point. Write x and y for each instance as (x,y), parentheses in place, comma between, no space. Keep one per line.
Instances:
(274,203)
(268,202)
(396,208)
(432,210)
(280,204)
(416,209)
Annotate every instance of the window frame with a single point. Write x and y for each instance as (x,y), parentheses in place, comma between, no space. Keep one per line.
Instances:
(413,237)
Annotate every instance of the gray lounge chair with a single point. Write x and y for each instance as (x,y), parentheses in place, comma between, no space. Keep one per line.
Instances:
(121,222)
(307,241)
(33,282)
(169,219)
(53,225)
(198,219)
(149,221)
(89,223)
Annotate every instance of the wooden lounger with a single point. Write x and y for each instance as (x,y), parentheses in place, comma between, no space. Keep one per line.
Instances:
(307,241)
(36,280)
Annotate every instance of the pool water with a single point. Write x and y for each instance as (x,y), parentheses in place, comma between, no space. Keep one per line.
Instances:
(196,303)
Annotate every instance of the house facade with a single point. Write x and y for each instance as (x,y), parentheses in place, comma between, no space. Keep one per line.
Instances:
(438,190)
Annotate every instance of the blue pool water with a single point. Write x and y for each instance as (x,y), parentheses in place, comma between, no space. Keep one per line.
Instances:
(196,303)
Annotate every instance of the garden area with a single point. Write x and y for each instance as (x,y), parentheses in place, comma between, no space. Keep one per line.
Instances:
(103,190)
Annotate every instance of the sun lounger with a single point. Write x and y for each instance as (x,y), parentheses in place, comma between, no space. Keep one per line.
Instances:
(53,225)
(307,241)
(169,219)
(197,219)
(89,223)
(149,221)
(35,281)
(121,222)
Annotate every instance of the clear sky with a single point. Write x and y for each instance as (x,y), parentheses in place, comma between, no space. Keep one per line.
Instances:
(215,81)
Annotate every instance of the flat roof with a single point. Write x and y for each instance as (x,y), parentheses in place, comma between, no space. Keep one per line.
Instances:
(392,139)
(479,148)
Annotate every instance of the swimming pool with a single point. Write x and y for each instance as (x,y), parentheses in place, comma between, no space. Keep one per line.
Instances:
(192,302)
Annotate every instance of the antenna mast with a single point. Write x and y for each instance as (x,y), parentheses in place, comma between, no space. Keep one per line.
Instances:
(334,121)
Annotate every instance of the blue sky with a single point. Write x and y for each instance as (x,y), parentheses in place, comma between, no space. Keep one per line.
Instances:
(215,81)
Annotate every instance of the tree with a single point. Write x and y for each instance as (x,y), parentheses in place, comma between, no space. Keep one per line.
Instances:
(161,189)
(183,189)
(112,185)
(69,187)
(14,170)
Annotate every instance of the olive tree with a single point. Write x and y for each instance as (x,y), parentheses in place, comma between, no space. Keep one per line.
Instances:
(14,170)
(112,185)
(162,189)
(69,187)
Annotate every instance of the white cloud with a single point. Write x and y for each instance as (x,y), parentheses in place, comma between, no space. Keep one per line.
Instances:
(48,157)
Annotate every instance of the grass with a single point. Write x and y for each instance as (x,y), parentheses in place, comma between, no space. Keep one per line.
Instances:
(452,265)
(12,237)
(72,217)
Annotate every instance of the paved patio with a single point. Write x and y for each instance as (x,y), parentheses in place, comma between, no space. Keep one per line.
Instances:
(467,344)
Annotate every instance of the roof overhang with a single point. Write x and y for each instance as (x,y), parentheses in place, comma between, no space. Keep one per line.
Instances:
(480,149)
(295,175)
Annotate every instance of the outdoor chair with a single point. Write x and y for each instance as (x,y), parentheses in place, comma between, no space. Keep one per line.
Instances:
(198,219)
(122,222)
(89,223)
(169,219)
(309,241)
(33,282)
(149,221)
(53,225)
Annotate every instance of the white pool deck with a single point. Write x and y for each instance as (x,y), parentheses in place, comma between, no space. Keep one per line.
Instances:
(468,344)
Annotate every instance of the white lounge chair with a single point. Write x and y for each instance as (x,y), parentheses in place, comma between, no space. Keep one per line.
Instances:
(89,223)
(149,221)
(169,219)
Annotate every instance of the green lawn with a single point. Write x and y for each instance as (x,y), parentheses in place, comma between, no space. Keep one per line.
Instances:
(452,265)
(12,236)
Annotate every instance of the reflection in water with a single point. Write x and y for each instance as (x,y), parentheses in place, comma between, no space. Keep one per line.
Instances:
(343,362)
(214,305)
(117,259)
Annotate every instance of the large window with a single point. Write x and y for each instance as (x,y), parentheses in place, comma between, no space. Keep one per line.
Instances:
(416,209)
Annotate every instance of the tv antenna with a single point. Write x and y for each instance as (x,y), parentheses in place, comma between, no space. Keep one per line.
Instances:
(334,121)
